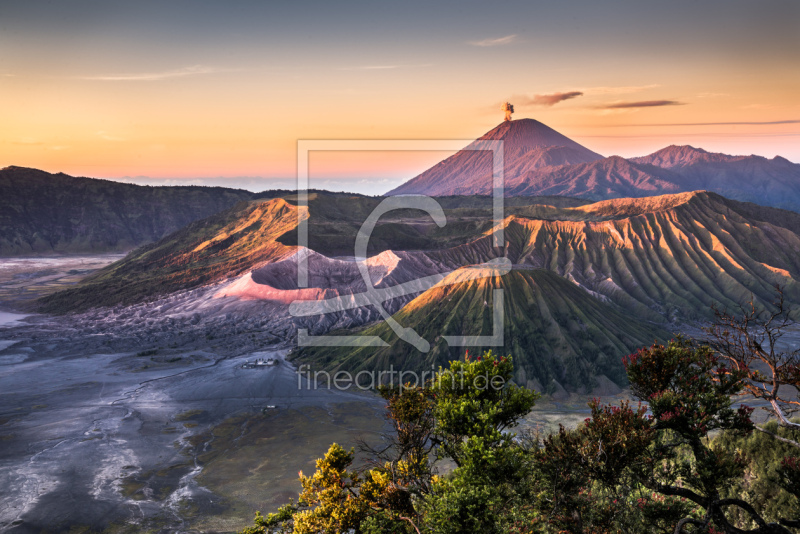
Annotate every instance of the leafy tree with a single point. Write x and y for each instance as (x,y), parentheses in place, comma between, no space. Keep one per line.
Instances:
(663,460)
(475,405)
(591,477)
(328,503)
(771,483)
(655,467)
(462,415)
(688,389)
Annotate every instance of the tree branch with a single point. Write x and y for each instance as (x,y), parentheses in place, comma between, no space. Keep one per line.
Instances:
(404,518)
(690,521)
(776,436)
(763,527)
(680,492)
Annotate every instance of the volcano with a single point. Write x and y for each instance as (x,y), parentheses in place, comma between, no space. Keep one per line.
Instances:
(540,161)
(529,145)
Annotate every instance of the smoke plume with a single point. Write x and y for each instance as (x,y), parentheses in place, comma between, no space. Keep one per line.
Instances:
(509,109)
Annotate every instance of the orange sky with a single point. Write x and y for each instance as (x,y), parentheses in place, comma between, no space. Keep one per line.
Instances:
(215,94)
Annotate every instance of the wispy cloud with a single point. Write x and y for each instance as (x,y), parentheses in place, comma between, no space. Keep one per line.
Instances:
(618,90)
(758,106)
(386,67)
(732,123)
(546,100)
(499,41)
(641,104)
(154,76)
(378,67)
(108,137)
(711,95)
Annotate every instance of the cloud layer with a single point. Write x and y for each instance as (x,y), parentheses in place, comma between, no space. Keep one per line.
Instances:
(641,104)
(499,41)
(550,99)
(732,123)
(387,67)
(154,76)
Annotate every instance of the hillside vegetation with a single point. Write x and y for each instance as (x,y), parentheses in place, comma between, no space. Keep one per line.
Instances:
(559,335)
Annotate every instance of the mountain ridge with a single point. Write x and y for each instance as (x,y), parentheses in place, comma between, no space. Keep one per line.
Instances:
(664,257)
(541,161)
(45,213)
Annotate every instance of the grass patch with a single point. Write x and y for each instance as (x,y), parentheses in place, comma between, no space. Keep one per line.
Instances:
(133,489)
(190,414)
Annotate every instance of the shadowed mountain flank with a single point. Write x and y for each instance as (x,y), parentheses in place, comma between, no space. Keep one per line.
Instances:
(672,255)
(227,244)
(772,182)
(43,213)
(559,335)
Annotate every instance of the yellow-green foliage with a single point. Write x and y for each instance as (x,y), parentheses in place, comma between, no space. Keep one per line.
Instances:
(330,492)
(763,455)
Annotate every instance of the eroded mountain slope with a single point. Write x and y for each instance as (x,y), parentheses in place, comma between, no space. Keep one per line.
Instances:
(665,258)
(559,335)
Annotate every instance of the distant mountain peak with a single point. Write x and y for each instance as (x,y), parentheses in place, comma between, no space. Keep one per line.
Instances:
(527,145)
(682,149)
(524,135)
(529,133)
(19,168)
(679,156)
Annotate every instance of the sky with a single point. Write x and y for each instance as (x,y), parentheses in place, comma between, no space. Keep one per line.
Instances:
(196,91)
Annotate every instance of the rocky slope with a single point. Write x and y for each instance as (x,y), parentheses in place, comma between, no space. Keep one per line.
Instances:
(771,182)
(559,335)
(666,258)
(672,255)
(43,213)
(206,251)
(248,235)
